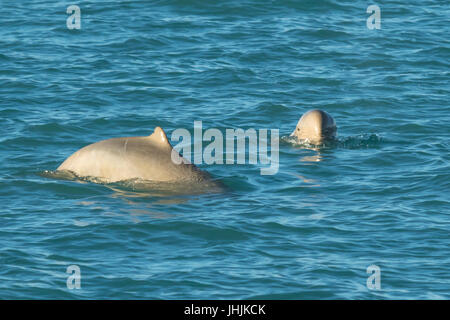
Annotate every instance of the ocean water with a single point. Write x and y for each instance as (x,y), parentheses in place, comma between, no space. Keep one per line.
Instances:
(379,195)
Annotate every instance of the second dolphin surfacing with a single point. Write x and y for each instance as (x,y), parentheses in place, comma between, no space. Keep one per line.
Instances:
(315,126)
(147,158)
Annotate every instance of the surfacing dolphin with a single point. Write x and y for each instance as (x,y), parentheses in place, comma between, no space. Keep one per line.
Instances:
(315,126)
(146,158)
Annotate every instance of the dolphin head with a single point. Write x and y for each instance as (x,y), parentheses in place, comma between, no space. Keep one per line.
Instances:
(315,126)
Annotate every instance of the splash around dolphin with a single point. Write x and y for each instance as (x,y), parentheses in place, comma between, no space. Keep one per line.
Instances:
(315,126)
(146,158)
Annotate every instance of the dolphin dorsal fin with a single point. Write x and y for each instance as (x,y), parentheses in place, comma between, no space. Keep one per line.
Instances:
(160,137)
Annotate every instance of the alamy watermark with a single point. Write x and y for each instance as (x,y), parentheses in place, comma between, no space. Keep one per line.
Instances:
(74,278)
(213,153)
(374,20)
(74,20)
(374,280)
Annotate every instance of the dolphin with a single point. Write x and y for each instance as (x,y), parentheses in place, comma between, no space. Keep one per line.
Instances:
(146,158)
(315,126)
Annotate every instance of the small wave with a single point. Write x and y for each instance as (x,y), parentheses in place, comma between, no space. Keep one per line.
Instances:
(365,140)
(305,143)
(271,108)
(4,57)
(329,34)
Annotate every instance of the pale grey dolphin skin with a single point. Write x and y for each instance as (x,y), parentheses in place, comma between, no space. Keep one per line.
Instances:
(146,158)
(315,126)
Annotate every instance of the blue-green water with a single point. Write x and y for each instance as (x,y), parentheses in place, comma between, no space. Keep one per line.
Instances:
(380,195)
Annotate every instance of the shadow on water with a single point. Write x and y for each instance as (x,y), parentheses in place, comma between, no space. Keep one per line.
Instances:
(142,198)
